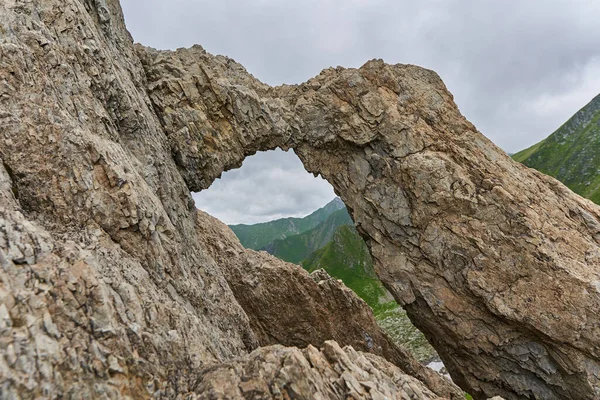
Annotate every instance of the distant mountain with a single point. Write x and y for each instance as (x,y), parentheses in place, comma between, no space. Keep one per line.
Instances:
(297,247)
(572,153)
(347,257)
(327,239)
(258,236)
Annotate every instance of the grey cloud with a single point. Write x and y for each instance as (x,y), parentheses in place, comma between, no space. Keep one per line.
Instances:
(498,57)
(268,186)
(518,68)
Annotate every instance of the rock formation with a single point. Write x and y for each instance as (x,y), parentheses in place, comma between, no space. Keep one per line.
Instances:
(269,372)
(104,291)
(108,288)
(286,305)
(497,264)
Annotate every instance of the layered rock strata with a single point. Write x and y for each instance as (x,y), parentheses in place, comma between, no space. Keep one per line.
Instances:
(497,264)
(332,373)
(107,289)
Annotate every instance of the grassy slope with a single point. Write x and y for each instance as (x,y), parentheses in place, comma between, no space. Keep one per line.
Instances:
(258,236)
(297,247)
(347,258)
(572,153)
(528,152)
(327,239)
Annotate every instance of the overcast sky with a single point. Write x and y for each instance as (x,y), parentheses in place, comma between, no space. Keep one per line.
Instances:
(518,69)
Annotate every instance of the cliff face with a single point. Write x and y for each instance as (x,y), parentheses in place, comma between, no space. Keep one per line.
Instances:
(107,287)
(494,262)
(105,290)
(110,288)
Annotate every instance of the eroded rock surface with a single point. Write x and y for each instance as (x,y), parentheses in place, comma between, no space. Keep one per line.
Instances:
(289,373)
(497,264)
(106,288)
(287,305)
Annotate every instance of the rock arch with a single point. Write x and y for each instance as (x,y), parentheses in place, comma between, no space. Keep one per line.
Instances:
(497,264)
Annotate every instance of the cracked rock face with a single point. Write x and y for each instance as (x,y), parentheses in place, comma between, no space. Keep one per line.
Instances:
(104,290)
(497,264)
(288,306)
(289,373)
(108,287)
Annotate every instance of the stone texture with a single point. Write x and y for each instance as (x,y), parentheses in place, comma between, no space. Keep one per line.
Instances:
(104,289)
(289,373)
(107,290)
(497,264)
(286,305)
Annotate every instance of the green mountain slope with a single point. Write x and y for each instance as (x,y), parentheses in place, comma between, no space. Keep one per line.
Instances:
(297,247)
(346,257)
(257,236)
(572,153)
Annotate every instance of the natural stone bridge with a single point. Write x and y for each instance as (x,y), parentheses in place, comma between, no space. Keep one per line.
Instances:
(495,263)
(107,277)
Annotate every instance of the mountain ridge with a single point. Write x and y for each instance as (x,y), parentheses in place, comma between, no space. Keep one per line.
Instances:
(571,154)
(257,236)
(296,248)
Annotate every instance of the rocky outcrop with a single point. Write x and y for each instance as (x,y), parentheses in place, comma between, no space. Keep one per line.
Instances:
(497,264)
(107,291)
(106,288)
(286,305)
(289,373)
